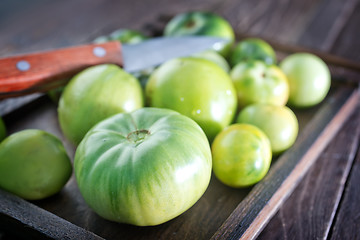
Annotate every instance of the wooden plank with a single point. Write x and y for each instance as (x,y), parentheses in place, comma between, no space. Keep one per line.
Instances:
(266,18)
(254,212)
(347,43)
(310,210)
(347,223)
(31,221)
(299,214)
(326,25)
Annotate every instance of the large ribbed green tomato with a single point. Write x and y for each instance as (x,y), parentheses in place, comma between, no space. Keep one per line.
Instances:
(197,88)
(143,168)
(94,94)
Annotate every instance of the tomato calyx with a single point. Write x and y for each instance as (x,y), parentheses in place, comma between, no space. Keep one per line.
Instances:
(190,24)
(138,135)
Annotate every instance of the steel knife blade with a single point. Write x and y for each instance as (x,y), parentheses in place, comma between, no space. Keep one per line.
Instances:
(156,51)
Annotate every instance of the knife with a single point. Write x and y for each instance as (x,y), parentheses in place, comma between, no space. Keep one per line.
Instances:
(42,71)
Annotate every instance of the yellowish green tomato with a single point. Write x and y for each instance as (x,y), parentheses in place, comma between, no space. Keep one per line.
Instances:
(94,94)
(2,129)
(241,155)
(253,49)
(197,88)
(279,123)
(309,79)
(257,82)
(202,23)
(33,164)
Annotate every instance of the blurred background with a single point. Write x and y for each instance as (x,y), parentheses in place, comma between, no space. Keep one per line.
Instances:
(42,24)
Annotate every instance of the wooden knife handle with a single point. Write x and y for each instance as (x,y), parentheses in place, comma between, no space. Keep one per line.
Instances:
(29,73)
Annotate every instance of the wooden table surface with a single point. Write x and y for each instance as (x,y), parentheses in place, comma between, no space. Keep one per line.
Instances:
(325,205)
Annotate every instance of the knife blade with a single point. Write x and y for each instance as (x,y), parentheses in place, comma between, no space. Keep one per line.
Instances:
(42,71)
(156,51)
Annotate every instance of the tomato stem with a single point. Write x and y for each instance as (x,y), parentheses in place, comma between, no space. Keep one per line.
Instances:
(137,135)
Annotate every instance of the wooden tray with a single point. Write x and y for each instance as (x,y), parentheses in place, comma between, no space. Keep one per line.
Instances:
(222,212)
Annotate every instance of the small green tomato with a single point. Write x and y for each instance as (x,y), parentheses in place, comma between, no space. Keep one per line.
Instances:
(309,79)
(279,123)
(202,23)
(94,94)
(127,36)
(33,164)
(241,155)
(253,49)
(257,82)
(2,129)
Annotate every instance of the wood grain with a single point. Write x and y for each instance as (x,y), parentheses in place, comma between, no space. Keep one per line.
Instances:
(313,206)
(347,222)
(36,223)
(327,24)
(309,213)
(347,43)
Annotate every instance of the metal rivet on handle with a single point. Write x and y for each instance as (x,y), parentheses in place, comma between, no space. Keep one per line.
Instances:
(23,65)
(99,51)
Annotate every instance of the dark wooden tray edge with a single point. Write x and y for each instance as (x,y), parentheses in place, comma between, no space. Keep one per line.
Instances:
(32,222)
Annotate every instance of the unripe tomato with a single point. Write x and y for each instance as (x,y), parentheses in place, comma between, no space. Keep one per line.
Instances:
(241,155)
(94,94)
(279,123)
(309,79)
(197,88)
(143,168)
(33,164)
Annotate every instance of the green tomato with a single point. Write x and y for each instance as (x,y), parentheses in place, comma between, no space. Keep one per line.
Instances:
(241,155)
(202,23)
(95,94)
(197,88)
(253,49)
(215,57)
(126,36)
(257,82)
(2,129)
(33,164)
(309,79)
(55,94)
(143,168)
(279,123)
